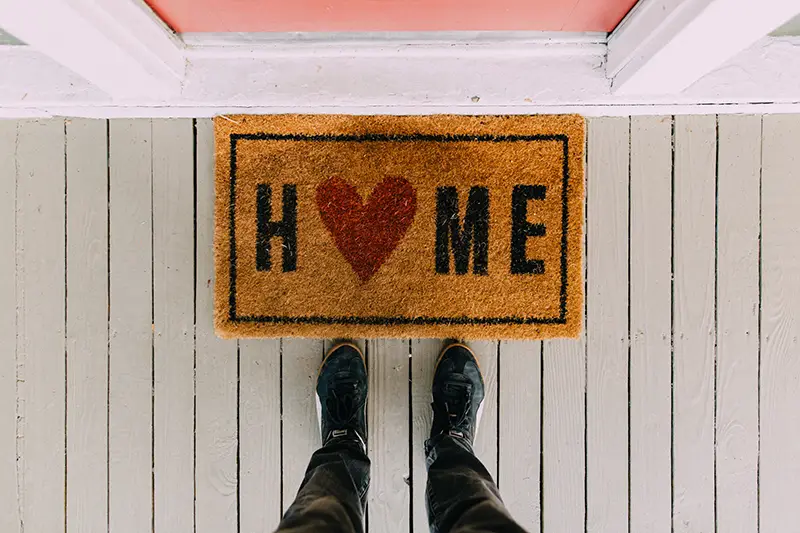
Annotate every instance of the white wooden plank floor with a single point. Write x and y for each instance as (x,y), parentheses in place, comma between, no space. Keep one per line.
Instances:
(677,409)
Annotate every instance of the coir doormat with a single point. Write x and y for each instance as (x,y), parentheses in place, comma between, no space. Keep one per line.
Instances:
(377,226)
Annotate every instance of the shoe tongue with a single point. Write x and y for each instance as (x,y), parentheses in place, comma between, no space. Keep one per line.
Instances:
(457,388)
(344,385)
(344,376)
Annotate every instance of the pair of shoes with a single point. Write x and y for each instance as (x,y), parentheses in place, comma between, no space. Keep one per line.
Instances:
(458,392)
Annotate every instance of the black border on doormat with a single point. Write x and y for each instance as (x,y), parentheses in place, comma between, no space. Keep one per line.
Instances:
(396,320)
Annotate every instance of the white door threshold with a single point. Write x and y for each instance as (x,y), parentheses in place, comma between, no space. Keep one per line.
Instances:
(513,75)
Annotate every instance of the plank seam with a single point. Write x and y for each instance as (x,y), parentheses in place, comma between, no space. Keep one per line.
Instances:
(366,363)
(760,278)
(108,326)
(239,440)
(541,437)
(630,151)
(152,349)
(280,406)
(194,322)
(410,479)
(66,298)
(672,332)
(497,428)
(716,311)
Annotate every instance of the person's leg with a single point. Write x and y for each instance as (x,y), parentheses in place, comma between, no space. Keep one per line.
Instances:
(461,495)
(334,490)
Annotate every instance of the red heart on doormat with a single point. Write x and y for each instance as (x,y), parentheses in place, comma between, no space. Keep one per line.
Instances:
(367,233)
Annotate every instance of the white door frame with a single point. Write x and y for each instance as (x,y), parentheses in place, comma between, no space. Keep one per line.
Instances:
(664,46)
(120,46)
(109,58)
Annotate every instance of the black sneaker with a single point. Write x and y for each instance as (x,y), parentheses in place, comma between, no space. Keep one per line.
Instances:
(457,394)
(342,395)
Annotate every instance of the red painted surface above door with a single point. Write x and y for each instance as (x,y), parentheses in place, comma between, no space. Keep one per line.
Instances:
(390,15)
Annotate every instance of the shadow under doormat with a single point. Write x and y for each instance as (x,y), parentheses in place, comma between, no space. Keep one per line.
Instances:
(379,226)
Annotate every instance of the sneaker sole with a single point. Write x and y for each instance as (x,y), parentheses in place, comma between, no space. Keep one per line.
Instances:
(479,414)
(327,355)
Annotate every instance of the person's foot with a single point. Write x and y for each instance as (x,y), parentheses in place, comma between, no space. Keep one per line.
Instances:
(457,393)
(342,395)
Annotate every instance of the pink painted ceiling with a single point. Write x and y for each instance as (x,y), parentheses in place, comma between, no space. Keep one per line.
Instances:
(390,15)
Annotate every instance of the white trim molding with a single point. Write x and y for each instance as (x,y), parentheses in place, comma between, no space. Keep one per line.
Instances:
(392,44)
(120,46)
(426,76)
(664,46)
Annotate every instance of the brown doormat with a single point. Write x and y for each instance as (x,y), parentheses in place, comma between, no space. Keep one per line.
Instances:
(378,226)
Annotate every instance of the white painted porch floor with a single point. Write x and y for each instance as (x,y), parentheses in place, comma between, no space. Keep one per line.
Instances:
(679,410)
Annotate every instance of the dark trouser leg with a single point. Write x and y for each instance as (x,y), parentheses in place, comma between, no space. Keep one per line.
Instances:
(333,493)
(461,495)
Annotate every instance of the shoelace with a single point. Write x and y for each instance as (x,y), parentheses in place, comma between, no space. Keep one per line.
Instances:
(456,405)
(342,406)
